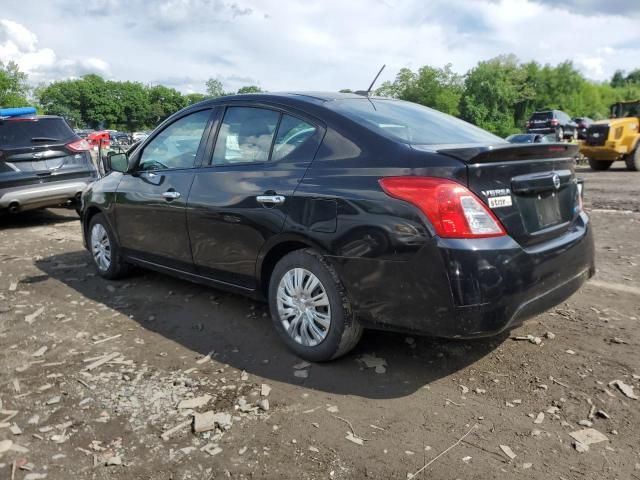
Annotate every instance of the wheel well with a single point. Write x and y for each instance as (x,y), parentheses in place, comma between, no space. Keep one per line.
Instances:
(91,212)
(273,256)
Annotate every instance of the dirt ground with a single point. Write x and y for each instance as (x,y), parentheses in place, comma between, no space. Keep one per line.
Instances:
(92,373)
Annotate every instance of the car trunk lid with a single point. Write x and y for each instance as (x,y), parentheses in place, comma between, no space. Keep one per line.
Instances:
(532,189)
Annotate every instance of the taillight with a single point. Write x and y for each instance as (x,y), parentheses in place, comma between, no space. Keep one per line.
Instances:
(453,210)
(79,146)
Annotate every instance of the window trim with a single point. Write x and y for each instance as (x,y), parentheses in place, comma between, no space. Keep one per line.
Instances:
(208,160)
(200,152)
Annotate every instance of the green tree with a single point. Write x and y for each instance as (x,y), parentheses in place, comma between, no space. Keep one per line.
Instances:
(250,89)
(192,98)
(492,90)
(13,86)
(439,88)
(214,88)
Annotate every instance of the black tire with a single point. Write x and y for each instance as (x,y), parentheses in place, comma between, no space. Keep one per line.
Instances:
(633,160)
(344,330)
(599,164)
(117,268)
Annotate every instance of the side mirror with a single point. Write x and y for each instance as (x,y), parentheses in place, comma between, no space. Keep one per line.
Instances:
(116,162)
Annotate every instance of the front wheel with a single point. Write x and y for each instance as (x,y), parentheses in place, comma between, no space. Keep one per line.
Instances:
(105,250)
(599,164)
(633,160)
(310,308)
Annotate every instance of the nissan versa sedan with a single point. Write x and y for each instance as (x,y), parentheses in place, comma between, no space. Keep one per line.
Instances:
(347,212)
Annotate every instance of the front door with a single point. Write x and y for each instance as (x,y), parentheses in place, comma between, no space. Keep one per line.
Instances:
(151,201)
(243,197)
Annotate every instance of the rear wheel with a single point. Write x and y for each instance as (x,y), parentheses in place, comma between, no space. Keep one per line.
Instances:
(599,164)
(310,307)
(105,250)
(633,160)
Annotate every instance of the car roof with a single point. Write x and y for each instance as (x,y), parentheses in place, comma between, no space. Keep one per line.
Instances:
(315,98)
(31,117)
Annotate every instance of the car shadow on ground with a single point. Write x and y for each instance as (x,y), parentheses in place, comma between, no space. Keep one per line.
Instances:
(241,334)
(37,218)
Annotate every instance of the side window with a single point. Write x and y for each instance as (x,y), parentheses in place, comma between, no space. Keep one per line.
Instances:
(292,134)
(177,145)
(245,136)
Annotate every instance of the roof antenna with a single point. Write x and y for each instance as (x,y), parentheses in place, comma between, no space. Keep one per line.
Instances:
(368,91)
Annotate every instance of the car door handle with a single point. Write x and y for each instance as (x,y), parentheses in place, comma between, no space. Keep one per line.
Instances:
(270,199)
(171,195)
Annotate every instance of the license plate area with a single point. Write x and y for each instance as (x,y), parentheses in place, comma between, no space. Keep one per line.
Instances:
(547,208)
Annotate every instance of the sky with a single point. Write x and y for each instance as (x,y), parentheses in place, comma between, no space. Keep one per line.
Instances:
(299,45)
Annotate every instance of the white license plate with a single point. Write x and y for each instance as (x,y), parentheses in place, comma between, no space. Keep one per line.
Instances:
(497,202)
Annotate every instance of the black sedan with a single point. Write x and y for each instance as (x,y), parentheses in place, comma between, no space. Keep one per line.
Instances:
(347,212)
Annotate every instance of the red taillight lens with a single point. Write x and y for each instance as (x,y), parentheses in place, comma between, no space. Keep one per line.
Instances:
(453,210)
(78,146)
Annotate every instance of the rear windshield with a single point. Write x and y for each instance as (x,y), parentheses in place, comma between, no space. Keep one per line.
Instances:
(412,123)
(542,116)
(27,132)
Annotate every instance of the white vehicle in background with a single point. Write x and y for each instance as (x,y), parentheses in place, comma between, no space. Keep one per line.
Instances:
(138,136)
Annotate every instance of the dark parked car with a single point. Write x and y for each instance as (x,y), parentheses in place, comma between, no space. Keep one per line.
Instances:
(347,212)
(583,124)
(43,163)
(120,138)
(553,121)
(527,138)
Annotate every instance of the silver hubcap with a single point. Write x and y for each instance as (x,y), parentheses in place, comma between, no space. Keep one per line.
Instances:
(101,247)
(303,307)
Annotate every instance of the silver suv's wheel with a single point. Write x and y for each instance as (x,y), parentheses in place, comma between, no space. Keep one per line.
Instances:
(310,308)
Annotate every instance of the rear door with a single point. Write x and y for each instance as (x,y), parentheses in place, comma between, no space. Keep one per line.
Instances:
(151,201)
(532,189)
(242,197)
(40,150)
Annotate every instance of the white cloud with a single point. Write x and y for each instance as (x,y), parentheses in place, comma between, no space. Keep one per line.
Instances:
(310,45)
(18,44)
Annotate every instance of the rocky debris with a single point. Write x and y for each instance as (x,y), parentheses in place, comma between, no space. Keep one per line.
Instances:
(181,426)
(301,365)
(627,390)
(196,402)
(619,341)
(352,438)
(539,418)
(265,390)
(40,352)
(115,460)
(530,338)
(377,363)
(570,352)
(5,445)
(464,389)
(585,423)
(508,452)
(101,361)
(588,436)
(206,358)
(333,409)
(212,449)
(204,422)
(33,316)
(53,400)
(263,404)
(301,373)
(549,335)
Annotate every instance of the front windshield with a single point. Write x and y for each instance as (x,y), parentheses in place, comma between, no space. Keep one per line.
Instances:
(622,110)
(412,123)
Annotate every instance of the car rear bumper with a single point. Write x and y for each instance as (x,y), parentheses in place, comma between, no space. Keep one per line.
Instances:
(42,195)
(541,130)
(464,289)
